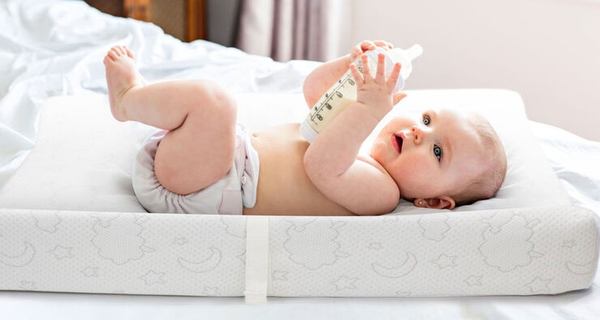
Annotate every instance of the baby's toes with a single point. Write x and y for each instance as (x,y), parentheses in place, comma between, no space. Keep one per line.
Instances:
(112,55)
(129,53)
(120,50)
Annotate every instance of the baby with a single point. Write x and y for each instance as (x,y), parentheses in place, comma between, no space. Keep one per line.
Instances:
(202,161)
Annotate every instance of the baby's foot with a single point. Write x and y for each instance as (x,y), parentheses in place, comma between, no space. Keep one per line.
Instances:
(121,76)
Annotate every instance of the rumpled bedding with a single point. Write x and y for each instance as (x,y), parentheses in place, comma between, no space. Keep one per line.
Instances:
(52,48)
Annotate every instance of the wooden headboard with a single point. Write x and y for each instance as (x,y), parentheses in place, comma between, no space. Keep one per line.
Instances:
(195,13)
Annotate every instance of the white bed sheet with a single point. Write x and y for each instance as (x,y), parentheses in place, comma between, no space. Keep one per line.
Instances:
(573,159)
(52,48)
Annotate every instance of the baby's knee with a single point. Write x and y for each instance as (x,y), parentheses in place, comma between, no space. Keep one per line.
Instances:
(225,102)
(216,101)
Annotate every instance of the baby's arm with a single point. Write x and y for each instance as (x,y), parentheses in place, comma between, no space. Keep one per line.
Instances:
(325,75)
(331,161)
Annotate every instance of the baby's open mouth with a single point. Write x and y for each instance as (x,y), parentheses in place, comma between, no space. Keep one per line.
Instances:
(397,142)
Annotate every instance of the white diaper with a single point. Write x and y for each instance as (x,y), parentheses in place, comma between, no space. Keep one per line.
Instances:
(229,195)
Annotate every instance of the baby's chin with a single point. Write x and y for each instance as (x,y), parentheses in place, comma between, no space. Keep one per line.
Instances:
(378,151)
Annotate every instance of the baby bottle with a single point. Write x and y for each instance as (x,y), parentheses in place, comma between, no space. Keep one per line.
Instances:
(343,92)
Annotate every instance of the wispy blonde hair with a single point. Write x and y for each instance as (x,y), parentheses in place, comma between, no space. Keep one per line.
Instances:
(488,181)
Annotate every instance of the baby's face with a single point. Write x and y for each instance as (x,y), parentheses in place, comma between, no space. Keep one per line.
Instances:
(429,154)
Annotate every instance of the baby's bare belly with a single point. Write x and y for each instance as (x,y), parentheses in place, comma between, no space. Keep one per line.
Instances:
(283,187)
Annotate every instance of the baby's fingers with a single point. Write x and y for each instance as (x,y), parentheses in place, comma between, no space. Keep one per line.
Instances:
(356,74)
(367,45)
(383,44)
(356,52)
(391,82)
(366,71)
(380,75)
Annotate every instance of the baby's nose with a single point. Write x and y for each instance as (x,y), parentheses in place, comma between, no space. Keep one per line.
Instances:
(417,134)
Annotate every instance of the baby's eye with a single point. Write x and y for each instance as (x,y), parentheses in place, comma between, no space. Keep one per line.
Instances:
(437,152)
(426,119)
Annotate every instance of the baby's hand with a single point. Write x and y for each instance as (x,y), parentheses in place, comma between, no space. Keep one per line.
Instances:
(367,45)
(377,94)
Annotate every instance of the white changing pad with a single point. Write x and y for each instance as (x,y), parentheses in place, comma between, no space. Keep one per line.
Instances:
(83,159)
(512,251)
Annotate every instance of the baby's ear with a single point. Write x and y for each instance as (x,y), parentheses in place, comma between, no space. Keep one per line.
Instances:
(443,202)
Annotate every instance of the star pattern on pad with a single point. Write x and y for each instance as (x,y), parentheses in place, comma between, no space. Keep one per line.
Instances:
(49,223)
(375,246)
(90,272)
(473,280)
(180,241)
(538,285)
(568,244)
(152,277)
(27,285)
(344,282)
(242,257)
(60,252)
(401,293)
(280,275)
(444,261)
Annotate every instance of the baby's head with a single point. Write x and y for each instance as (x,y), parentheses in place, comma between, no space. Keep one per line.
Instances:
(442,158)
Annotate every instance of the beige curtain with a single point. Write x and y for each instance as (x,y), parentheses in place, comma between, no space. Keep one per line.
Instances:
(292,29)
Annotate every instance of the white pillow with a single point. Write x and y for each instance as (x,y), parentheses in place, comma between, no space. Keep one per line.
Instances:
(83,157)
(530,181)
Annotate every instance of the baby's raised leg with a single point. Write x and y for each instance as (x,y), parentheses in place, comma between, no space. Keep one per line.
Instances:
(200,116)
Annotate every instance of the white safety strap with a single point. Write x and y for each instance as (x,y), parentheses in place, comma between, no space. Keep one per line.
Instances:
(257,259)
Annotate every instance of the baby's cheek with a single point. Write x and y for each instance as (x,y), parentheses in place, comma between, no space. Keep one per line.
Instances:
(412,164)
(409,171)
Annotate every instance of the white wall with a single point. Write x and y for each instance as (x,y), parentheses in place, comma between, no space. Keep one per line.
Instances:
(547,50)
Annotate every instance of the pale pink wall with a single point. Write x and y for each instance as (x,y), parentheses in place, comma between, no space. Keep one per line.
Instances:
(547,50)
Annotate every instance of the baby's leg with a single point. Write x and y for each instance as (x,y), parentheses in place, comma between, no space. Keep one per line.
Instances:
(201,118)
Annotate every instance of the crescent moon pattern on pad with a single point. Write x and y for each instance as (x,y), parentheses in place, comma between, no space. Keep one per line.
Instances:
(19,260)
(396,272)
(576,268)
(204,265)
